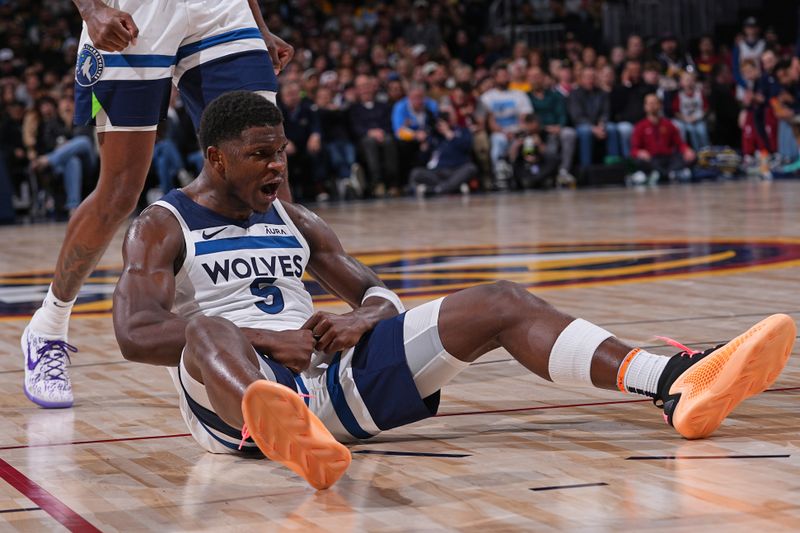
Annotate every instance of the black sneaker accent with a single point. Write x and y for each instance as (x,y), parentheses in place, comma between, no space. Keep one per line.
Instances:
(677,365)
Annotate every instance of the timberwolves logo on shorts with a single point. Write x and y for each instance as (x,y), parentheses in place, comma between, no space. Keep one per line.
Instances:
(89,67)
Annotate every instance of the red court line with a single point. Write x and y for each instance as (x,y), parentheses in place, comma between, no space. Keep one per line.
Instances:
(46,501)
(465,413)
(562,406)
(99,441)
(539,408)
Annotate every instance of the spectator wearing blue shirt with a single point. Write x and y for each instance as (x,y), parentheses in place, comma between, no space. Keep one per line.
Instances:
(450,167)
(413,120)
(411,115)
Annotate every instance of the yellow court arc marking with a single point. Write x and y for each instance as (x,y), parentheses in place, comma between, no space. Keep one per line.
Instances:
(96,306)
(542,264)
(632,273)
(46,281)
(329,301)
(533,277)
(371,258)
(394,255)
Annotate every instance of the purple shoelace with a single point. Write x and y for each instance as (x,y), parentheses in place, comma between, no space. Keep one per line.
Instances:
(53,355)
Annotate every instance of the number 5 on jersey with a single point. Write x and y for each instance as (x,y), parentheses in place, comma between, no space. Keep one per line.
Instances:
(273,298)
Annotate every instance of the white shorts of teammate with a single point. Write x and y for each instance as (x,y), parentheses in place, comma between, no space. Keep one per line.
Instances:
(203,48)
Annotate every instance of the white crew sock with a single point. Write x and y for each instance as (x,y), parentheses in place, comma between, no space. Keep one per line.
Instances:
(640,374)
(52,318)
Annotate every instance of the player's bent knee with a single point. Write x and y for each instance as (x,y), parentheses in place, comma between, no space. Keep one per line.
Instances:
(202,327)
(510,299)
(508,289)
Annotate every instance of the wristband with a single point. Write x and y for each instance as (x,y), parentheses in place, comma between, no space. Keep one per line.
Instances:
(386,294)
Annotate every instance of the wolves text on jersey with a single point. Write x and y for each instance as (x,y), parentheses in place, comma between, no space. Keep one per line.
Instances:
(242,268)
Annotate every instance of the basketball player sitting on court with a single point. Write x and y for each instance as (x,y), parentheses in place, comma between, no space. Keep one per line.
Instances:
(212,288)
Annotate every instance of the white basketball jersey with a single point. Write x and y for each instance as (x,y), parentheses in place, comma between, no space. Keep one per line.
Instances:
(249,272)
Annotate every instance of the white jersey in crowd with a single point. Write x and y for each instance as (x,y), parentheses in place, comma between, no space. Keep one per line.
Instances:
(507,106)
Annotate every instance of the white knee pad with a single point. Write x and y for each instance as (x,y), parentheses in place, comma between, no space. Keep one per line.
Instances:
(571,356)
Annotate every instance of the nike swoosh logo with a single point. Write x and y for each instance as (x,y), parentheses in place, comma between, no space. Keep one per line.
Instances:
(35,363)
(207,236)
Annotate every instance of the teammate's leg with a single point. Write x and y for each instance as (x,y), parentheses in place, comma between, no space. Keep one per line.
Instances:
(220,357)
(125,158)
(574,352)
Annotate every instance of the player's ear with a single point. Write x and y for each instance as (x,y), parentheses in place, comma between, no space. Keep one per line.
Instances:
(215,159)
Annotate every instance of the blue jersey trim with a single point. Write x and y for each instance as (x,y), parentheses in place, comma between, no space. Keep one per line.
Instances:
(210,419)
(336,393)
(198,217)
(282,374)
(245,449)
(244,243)
(203,44)
(138,60)
(303,389)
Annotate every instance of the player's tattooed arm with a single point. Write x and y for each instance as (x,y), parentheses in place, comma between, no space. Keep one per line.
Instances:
(344,276)
(146,329)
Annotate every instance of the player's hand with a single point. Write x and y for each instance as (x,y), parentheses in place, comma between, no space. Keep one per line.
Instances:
(110,29)
(291,348)
(279,50)
(334,332)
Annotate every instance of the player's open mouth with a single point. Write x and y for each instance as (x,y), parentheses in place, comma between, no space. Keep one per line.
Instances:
(271,189)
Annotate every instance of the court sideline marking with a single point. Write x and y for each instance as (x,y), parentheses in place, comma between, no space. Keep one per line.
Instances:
(46,501)
(462,413)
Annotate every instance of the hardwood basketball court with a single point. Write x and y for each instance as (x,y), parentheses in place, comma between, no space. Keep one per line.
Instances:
(508,450)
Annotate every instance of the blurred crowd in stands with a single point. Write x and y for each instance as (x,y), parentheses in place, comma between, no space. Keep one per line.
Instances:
(418,97)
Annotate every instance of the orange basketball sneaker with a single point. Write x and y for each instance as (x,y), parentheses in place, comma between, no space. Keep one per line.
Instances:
(286,430)
(698,390)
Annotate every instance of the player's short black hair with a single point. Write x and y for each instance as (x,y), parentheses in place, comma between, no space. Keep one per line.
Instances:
(228,115)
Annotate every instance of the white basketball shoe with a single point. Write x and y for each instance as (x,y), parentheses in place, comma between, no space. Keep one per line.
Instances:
(47,381)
